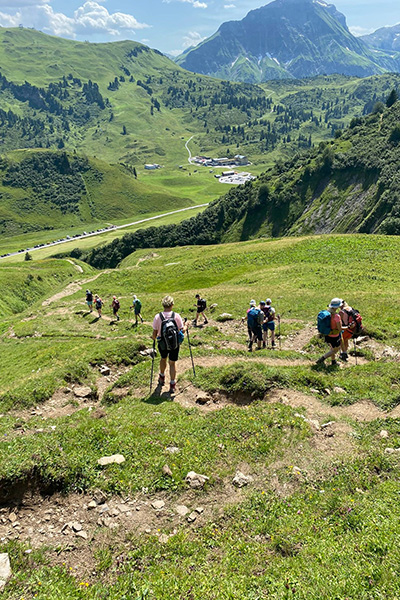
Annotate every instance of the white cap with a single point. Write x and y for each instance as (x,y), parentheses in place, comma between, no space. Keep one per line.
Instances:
(268,301)
(134,297)
(253,303)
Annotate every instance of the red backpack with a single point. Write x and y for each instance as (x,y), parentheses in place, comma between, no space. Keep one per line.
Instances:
(355,321)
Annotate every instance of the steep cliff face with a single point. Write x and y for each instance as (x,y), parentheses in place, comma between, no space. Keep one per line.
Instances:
(287,38)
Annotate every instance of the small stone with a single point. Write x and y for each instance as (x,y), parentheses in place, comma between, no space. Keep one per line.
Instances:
(328,424)
(99,497)
(148,530)
(82,391)
(92,504)
(314,423)
(225,317)
(82,534)
(241,479)
(195,480)
(199,509)
(76,526)
(390,450)
(167,471)
(384,434)
(158,504)
(29,551)
(202,398)
(172,449)
(163,539)
(314,391)
(5,569)
(181,510)
(12,517)
(296,471)
(114,512)
(109,460)
(339,390)
(327,391)
(192,517)
(104,370)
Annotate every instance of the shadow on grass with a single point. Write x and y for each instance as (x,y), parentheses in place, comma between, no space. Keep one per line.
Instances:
(157,396)
(94,320)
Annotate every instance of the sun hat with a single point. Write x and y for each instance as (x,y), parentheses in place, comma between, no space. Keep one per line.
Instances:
(134,297)
(335,303)
(268,301)
(253,303)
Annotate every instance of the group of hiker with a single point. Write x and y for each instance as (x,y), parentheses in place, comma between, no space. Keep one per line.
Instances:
(115,305)
(261,322)
(338,328)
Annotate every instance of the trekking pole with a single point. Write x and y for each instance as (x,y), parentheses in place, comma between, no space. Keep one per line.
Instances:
(279,332)
(355,348)
(152,364)
(190,350)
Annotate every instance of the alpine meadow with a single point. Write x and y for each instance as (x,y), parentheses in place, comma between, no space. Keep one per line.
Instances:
(199,332)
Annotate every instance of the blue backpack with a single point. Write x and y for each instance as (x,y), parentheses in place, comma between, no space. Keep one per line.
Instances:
(324,322)
(253,317)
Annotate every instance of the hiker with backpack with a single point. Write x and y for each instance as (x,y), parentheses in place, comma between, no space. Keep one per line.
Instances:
(351,327)
(137,306)
(269,321)
(89,300)
(169,331)
(201,307)
(330,326)
(115,305)
(98,302)
(255,319)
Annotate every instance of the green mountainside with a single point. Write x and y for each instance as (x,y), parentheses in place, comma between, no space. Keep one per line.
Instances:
(348,185)
(285,39)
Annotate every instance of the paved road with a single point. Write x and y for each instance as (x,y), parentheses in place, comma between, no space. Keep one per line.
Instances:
(106,229)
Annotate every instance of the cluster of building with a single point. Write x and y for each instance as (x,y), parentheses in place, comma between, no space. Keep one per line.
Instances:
(237,161)
(152,167)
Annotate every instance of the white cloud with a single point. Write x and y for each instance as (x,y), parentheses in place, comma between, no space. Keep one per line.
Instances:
(90,18)
(357,31)
(174,52)
(192,39)
(229,5)
(194,3)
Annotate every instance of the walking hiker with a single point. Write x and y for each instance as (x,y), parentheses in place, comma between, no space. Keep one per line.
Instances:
(269,321)
(137,307)
(168,330)
(89,300)
(351,327)
(201,307)
(255,319)
(330,325)
(98,302)
(115,305)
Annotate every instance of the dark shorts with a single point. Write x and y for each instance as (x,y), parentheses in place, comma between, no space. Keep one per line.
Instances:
(270,325)
(257,331)
(333,341)
(115,310)
(137,311)
(171,354)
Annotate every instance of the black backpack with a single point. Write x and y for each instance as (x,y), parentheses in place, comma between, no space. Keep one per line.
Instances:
(169,332)
(201,305)
(89,297)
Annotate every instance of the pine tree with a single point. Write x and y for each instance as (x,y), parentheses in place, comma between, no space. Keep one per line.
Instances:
(392,98)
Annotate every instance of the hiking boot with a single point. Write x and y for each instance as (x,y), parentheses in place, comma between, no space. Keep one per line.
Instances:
(206,322)
(264,345)
(195,323)
(343,356)
(161,379)
(172,388)
(258,348)
(334,363)
(272,345)
(141,319)
(320,361)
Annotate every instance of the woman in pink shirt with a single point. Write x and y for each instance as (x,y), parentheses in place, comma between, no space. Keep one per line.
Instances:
(168,330)
(333,339)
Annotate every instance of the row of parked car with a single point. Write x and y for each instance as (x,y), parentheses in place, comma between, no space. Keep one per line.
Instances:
(61,240)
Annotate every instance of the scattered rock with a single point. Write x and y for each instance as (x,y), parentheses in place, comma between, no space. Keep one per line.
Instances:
(240,479)
(314,391)
(109,460)
(5,570)
(384,434)
(389,451)
(167,471)
(327,391)
(202,398)
(195,480)
(92,504)
(83,391)
(172,449)
(163,539)
(181,510)
(328,424)
(76,526)
(199,509)
(82,534)
(296,471)
(148,352)
(225,317)
(192,517)
(314,423)
(99,497)
(104,370)
(12,517)
(158,504)
(339,390)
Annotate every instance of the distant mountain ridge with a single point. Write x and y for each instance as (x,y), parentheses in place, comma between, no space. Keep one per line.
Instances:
(285,39)
(385,38)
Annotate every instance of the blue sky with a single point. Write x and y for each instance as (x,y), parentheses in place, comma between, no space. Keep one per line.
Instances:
(168,25)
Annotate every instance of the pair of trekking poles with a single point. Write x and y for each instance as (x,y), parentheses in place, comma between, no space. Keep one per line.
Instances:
(153,355)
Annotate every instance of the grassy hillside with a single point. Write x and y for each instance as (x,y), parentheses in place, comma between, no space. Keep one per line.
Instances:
(324,476)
